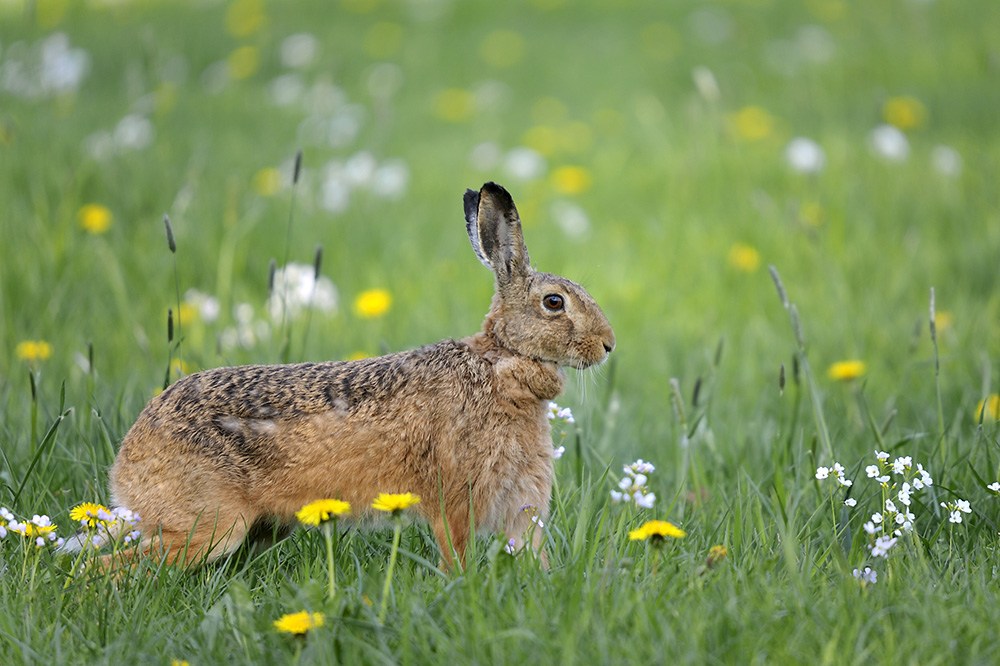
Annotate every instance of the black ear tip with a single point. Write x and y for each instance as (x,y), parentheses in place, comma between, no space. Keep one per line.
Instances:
(498,194)
(471,201)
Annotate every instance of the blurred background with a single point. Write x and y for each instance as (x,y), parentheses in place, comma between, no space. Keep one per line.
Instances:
(662,154)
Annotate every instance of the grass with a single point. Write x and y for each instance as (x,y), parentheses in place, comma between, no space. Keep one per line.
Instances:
(671,183)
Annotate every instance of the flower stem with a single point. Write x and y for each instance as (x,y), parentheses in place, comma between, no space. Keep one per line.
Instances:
(388,572)
(331,576)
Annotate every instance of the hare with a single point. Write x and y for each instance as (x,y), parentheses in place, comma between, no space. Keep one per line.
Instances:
(462,423)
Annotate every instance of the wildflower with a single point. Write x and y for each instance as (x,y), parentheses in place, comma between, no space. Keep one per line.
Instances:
(888,142)
(948,162)
(904,112)
(90,515)
(904,494)
(321,511)
(298,623)
(876,518)
(454,105)
(752,123)
(988,408)
(925,477)
(956,509)
(6,517)
(744,258)
(881,455)
(994,487)
(851,502)
(872,471)
(511,546)
(394,503)
(657,531)
(900,465)
(867,576)
(633,485)
(94,218)
(640,467)
(267,182)
(882,546)
(372,303)
(846,370)
(884,480)
(33,350)
(644,501)
(871,527)
(557,412)
(822,473)
(805,155)
(558,452)
(571,179)
(296,287)
(715,555)
(243,62)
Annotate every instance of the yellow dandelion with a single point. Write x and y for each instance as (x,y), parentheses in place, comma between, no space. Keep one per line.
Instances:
(943,319)
(454,105)
(571,179)
(846,370)
(989,408)
(542,138)
(32,531)
(502,48)
(716,554)
(299,623)
(744,258)
(372,303)
(267,182)
(33,350)
(657,530)
(245,17)
(321,511)
(752,123)
(357,356)
(243,62)
(89,514)
(178,662)
(180,367)
(394,503)
(904,112)
(94,218)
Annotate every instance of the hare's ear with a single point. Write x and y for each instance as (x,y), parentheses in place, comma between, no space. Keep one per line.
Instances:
(495,231)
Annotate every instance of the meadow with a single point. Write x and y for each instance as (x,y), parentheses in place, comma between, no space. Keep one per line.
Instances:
(763,195)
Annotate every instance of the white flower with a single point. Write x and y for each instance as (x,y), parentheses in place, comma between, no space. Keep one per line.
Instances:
(876,518)
(838,468)
(6,514)
(963,506)
(850,501)
(566,414)
(881,455)
(889,142)
(639,480)
(946,161)
(889,506)
(882,546)
(558,452)
(625,483)
(870,527)
(805,155)
(619,497)
(644,501)
(918,484)
(956,517)
(995,487)
(847,483)
(868,575)
(299,50)
(822,473)
(524,164)
(510,547)
(900,465)
(904,494)
(883,479)
(871,471)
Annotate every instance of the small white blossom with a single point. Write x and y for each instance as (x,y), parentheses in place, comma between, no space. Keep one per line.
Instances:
(881,455)
(890,506)
(882,546)
(850,501)
(644,501)
(870,527)
(618,497)
(876,518)
(847,483)
(871,471)
(955,517)
(904,494)
(822,473)
(900,465)
(868,575)
(995,487)
(963,506)
(558,452)
(510,547)
(883,479)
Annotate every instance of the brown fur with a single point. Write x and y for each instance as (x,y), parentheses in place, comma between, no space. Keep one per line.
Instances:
(461,423)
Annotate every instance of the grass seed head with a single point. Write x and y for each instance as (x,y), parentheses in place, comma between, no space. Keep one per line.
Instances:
(171,243)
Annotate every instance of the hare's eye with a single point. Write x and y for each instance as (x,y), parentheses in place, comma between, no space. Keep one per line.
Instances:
(553,302)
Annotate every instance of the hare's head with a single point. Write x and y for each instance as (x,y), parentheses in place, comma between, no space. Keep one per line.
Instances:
(538,315)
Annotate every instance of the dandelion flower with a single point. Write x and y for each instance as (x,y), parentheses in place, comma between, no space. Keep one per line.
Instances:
(752,123)
(744,258)
(657,530)
(394,503)
(571,179)
(904,112)
(298,623)
(989,408)
(716,554)
(33,350)
(321,511)
(846,370)
(243,62)
(94,218)
(267,182)
(89,515)
(372,303)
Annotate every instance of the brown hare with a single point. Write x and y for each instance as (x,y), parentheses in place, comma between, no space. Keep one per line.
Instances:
(462,423)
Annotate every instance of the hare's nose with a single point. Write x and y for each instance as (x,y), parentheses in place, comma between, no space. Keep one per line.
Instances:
(608,347)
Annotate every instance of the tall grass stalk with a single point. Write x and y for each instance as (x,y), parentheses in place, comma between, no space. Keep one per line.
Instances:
(286,343)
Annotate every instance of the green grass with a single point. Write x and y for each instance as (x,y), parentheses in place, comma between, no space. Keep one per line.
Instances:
(673,187)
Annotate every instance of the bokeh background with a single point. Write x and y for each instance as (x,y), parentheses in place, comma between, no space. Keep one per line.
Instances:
(662,154)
